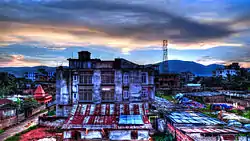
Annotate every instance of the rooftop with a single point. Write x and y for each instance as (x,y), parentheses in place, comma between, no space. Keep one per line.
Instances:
(194,118)
(112,116)
(5,101)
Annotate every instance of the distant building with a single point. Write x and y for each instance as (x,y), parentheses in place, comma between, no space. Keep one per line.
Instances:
(51,74)
(207,97)
(187,77)
(230,70)
(99,96)
(38,76)
(225,72)
(31,75)
(192,87)
(167,83)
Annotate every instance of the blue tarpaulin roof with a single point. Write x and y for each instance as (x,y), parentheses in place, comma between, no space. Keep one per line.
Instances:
(130,119)
(193,118)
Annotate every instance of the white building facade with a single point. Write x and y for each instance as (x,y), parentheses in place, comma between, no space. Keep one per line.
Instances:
(225,72)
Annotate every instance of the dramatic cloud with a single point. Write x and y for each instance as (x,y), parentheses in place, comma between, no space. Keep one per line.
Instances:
(108,19)
(123,26)
(16,60)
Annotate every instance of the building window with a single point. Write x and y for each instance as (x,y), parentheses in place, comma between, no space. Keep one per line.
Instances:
(144,78)
(144,93)
(74,95)
(89,65)
(107,77)
(108,95)
(86,78)
(67,134)
(8,113)
(74,77)
(135,78)
(125,78)
(125,94)
(85,93)
(74,64)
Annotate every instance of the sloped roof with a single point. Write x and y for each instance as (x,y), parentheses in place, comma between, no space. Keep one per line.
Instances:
(5,101)
(39,90)
(98,116)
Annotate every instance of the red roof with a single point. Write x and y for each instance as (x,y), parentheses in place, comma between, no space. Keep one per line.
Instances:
(228,137)
(105,116)
(5,101)
(39,91)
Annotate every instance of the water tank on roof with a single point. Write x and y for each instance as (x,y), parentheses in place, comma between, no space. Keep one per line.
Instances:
(84,55)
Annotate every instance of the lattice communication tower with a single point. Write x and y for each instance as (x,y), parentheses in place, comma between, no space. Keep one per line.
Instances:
(165,56)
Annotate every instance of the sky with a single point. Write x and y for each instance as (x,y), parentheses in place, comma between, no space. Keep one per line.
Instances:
(47,32)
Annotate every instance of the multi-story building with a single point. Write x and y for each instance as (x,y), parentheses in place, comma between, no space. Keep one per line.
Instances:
(230,70)
(110,91)
(224,73)
(167,83)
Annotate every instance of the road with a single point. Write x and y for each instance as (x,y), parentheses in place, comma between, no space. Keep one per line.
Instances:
(20,127)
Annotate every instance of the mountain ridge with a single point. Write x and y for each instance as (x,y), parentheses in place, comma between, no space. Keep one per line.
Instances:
(175,66)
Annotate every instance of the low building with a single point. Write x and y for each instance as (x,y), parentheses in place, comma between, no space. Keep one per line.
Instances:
(8,113)
(190,87)
(207,97)
(41,96)
(238,98)
(193,126)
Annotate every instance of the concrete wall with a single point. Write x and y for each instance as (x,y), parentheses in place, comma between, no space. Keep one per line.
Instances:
(214,99)
(8,122)
(241,102)
(37,110)
(63,111)
(62,92)
(21,117)
(118,85)
(96,80)
(75,82)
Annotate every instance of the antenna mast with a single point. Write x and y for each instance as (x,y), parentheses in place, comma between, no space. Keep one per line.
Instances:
(165,56)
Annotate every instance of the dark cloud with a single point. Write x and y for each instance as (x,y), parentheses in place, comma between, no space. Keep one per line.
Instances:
(154,29)
(227,54)
(118,19)
(152,23)
(4,57)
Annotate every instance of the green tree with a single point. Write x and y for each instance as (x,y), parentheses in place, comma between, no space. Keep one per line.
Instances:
(7,84)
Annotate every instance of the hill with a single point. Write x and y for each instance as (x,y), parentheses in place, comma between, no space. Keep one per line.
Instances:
(175,66)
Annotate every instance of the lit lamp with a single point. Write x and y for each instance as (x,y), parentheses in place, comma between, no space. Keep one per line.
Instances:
(106,89)
(86,131)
